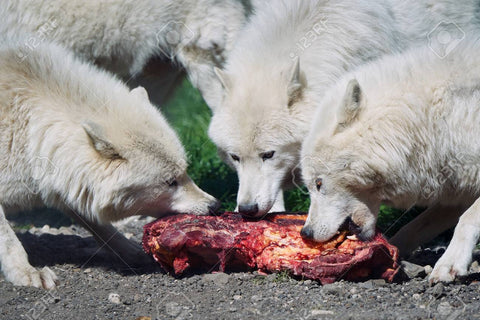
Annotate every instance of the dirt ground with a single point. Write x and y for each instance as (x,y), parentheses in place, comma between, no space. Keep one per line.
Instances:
(95,286)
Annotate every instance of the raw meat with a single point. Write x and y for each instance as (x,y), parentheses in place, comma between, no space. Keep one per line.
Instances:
(230,242)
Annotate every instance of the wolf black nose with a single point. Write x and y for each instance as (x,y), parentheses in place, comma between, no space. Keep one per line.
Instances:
(248,209)
(213,208)
(307,232)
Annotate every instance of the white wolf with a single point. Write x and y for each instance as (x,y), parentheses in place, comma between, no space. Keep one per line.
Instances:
(402,131)
(270,97)
(123,35)
(75,139)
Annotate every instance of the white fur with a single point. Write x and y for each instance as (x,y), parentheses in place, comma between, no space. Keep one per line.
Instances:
(76,139)
(255,118)
(123,35)
(403,132)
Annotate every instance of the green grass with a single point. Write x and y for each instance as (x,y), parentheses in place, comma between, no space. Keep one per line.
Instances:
(190,116)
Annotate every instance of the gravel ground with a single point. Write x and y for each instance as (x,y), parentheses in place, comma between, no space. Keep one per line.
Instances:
(95,286)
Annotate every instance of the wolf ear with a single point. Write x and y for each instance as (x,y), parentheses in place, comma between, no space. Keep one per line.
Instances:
(101,144)
(351,105)
(140,92)
(223,77)
(295,85)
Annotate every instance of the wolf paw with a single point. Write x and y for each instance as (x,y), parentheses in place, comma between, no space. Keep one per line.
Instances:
(29,276)
(445,272)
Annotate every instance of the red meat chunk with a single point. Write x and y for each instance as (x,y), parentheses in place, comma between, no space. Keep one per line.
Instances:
(232,243)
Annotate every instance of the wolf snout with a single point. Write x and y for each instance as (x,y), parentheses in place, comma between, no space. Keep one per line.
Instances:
(249,210)
(214,207)
(307,232)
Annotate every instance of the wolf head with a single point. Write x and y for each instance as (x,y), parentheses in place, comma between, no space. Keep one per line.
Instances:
(343,180)
(119,158)
(140,165)
(258,130)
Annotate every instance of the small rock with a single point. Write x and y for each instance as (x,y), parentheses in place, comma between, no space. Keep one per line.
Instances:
(437,290)
(114,298)
(307,282)
(475,267)
(237,297)
(417,296)
(65,231)
(332,288)
(317,312)
(413,270)
(367,284)
(444,308)
(45,229)
(428,269)
(218,278)
(256,298)
(88,270)
(143,318)
(379,282)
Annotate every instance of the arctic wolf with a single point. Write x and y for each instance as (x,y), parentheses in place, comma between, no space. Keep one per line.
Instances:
(123,35)
(286,55)
(285,58)
(402,131)
(75,139)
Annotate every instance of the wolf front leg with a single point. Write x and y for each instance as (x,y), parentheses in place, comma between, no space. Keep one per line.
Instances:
(14,261)
(112,240)
(456,259)
(425,227)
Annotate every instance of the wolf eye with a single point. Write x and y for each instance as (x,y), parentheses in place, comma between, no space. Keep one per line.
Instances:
(318,183)
(234,157)
(267,155)
(172,183)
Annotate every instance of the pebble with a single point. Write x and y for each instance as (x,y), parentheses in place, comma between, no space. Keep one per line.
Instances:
(428,269)
(379,282)
(218,278)
(475,267)
(317,312)
(437,290)
(367,284)
(237,297)
(413,270)
(332,288)
(114,298)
